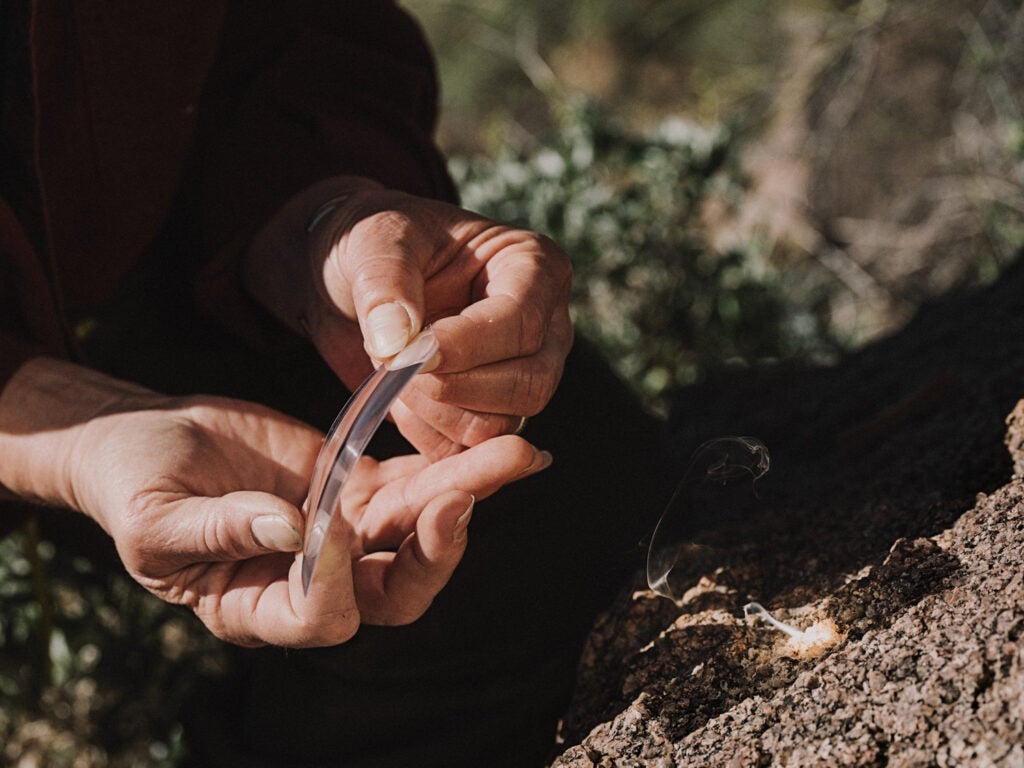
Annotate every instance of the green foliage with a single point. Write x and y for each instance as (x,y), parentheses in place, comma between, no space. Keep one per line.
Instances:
(93,670)
(496,57)
(663,305)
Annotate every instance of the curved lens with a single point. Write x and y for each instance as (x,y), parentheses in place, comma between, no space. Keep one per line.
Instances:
(348,438)
(718,483)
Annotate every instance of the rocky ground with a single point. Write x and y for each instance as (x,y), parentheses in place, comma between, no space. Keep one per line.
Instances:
(891,523)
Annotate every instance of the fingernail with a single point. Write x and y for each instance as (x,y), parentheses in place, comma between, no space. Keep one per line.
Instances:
(275,533)
(459,531)
(387,330)
(432,363)
(542,460)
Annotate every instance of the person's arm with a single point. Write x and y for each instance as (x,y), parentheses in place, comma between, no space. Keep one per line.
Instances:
(303,93)
(29,325)
(14,353)
(44,408)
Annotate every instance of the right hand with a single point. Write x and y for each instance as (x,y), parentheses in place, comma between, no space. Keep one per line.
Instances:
(381,264)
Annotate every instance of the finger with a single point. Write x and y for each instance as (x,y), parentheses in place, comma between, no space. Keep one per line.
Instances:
(260,600)
(511,388)
(327,614)
(441,414)
(472,428)
(184,531)
(424,438)
(368,477)
(384,472)
(515,385)
(339,341)
(378,267)
(526,292)
(438,414)
(391,514)
(398,588)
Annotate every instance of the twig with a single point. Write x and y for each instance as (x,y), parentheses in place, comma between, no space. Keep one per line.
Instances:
(41,589)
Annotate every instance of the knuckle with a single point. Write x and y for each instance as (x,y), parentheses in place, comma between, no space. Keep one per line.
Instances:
(363,260)
(516,450)
(135,540)
(343,630)
(475,428)
(533,323)
(395,614)
(530,388)
(328,630)
(568,341)
(526,453)
(384,223)
(131,539)
(215,622)
(557,261)
(217,539)
(438,387)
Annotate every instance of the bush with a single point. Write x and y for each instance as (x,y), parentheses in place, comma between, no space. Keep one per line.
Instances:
(664,306)
(93,669)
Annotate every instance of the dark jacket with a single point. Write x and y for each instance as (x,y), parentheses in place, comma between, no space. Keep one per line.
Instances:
(200,115)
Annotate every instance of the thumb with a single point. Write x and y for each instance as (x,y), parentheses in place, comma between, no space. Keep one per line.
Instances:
(387,328)
(382,266)
(253,523)
(200,529)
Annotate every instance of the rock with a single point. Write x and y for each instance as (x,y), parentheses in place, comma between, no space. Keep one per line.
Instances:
(893,511)
(1015,438)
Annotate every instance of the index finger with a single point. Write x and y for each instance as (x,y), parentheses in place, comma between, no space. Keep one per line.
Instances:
(397,588)
(523,285)
(391,513)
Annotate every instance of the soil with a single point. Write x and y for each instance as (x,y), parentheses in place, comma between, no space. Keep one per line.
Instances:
(892,521)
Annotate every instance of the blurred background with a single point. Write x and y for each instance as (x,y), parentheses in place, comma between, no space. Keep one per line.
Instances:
(742,182)
(739,183)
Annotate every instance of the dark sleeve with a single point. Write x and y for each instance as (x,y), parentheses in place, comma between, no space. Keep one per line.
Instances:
(301,92)
(29,322)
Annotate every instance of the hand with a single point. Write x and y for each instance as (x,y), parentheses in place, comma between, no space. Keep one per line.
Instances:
(384,263)
(210,491)
(201,496)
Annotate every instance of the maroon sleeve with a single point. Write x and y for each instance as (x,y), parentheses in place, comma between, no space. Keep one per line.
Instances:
(216,112)
(296,92)
(29,324)
(28,321)
(307,91)
(299,93)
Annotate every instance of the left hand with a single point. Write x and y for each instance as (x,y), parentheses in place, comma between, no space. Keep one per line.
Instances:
(184,486)
(202,496)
